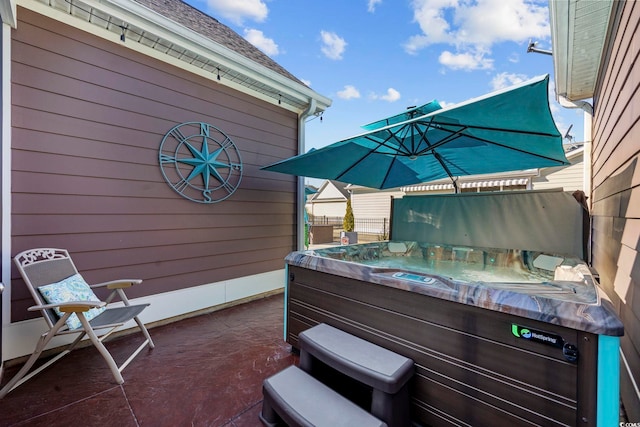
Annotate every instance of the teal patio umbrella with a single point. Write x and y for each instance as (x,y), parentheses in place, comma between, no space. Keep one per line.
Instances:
(507,130)
(407,114)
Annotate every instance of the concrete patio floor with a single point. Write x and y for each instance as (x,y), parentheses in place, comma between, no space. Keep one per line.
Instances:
(205,371)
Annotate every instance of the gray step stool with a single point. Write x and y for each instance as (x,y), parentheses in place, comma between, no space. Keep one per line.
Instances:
(296,398)
(386,373)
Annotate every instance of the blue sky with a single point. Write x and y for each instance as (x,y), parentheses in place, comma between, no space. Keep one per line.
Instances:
(374,58)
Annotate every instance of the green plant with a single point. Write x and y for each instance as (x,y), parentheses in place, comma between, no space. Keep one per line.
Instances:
(348,223)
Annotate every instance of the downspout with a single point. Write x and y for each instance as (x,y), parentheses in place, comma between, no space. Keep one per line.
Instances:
(587,119)
(587,167)
(5,183)
(300,202)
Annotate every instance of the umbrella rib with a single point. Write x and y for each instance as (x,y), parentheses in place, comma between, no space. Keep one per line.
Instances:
(458,133)
(385,144)
(371,151)
(560,162)
(444,124)
(423,138)
(401,149)
(451,137)
(384,180)
(432,146)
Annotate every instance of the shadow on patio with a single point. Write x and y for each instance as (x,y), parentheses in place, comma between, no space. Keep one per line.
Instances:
(205,371)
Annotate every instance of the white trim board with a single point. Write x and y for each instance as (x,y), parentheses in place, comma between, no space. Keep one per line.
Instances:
(20,338)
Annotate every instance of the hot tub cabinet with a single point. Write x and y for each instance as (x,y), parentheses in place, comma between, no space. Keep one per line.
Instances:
(520,353)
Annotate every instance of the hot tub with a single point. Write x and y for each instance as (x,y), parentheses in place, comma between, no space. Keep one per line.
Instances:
(499,336)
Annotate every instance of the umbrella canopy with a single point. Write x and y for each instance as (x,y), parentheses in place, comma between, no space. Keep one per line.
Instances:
(511,129)
(408,114)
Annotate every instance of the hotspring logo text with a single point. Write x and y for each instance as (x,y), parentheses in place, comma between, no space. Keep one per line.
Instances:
(539,336)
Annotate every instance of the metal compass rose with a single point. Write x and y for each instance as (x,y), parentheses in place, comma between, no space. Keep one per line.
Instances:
(200,162)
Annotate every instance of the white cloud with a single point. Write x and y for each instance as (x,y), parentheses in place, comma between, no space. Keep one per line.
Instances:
(237,11)
(492,21)
(504,80)
(349,92)
(473,26)
(259,40)
(332,45)
(430,16)
(371,6)
(392,95)
(416,43)
(465,61)
(307,82)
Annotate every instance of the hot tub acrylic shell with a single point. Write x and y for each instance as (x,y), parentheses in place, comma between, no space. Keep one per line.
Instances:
(485,353)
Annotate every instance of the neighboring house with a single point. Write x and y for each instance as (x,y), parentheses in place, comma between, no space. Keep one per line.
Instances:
(91,91)
(596,59)
(329,201)
(569,178)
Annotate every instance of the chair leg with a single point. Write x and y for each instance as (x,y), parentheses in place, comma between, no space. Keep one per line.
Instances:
(102,349)
(98,343)
(145,332)
(21,377)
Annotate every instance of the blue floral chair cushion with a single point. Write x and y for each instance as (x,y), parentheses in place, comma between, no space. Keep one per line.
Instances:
(72,288)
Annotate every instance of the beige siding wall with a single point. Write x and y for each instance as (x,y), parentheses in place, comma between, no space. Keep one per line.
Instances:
(331,209)
(616,192)
(569,178)
(88,118)
(370,204)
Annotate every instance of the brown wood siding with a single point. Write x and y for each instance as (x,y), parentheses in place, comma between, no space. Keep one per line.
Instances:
(616,190)
(88,118)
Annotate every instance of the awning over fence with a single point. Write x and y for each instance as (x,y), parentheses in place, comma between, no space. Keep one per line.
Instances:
(471,184)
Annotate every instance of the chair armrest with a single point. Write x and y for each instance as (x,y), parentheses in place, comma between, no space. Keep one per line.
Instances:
(118,284)
(70,306)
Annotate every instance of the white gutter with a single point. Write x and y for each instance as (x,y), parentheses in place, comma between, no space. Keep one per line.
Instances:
(300,200)
(587,166)
(146,17)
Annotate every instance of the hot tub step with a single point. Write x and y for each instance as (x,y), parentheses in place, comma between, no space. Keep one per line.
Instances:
(386,372)
(296,398)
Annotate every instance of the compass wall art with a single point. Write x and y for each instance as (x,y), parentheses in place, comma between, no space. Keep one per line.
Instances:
(200,162)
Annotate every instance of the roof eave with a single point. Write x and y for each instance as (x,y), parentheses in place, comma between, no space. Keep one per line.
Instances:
(273,86)
(8,12)
(579,32)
